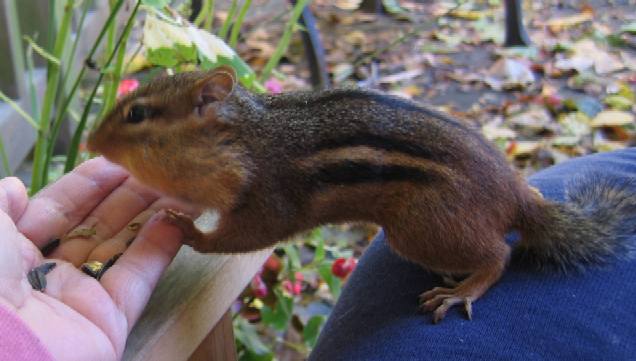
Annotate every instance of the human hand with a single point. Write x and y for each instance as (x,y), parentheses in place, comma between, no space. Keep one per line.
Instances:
(76,316)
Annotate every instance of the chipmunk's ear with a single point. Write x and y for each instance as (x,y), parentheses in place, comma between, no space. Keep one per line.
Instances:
(216,86)
(210,91)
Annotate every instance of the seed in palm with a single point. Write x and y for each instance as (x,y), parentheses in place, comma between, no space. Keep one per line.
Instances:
(37,276)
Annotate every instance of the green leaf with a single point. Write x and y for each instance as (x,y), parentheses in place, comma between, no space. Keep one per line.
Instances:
(562,47)
(312,330)
(279,317)
(319,254)
(246,335)
(170,57)
(629,28)
(616,40)
(19,110)
(333,282)
(245,74)
(618,102)
(489,30)
(393,7)
(157,4)
(43,53)
(294,257)
(625,91)
(250,356)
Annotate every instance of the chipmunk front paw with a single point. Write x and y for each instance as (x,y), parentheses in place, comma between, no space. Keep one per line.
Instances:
(184,223)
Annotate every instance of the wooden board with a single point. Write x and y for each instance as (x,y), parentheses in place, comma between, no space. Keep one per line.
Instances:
(192,296)
(219,344)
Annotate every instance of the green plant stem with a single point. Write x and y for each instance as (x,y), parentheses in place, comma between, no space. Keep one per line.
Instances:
(18,109)
(63,109)
(71,56)
(203,13)
(5,159)
(228,21)
(64,86)
(52,82)
(13,28)
(290,27)
(115,75)
(77,136)
(109,90)
(209,19)
(236,28)
(33,95)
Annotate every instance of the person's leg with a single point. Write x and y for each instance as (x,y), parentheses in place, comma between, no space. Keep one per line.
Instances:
(526,316)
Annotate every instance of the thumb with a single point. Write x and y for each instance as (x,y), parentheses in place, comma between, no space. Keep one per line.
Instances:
(13,197)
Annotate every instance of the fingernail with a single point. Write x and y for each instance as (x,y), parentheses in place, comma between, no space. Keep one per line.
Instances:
(50,247)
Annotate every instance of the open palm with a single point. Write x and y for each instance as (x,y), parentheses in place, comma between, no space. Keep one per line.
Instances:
(78,317)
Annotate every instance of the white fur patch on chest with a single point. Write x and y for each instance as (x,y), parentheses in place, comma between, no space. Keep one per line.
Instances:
(207,221)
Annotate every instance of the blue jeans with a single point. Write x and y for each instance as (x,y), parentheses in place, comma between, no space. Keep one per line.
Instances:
(526,316)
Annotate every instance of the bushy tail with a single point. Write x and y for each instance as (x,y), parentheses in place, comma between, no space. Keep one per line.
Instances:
(596,223)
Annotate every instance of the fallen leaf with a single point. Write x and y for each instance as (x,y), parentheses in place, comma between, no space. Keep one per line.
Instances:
(618,102)
(587,54)
(629,28)
(341,72)
(575,125)
(492,132)
(393,7)
(401,76)
(556,25)
(612,118)
(533,121)
(578,63)
(507,73)
(348,4)
(522,148)
(468,14)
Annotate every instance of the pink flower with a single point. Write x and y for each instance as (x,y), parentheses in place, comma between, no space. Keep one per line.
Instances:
(273,86)
(126,86)
(294,287)
(258,286)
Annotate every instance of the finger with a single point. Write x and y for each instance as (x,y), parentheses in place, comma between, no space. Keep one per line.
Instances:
(65,203)
(86,296)
(108,218)
(17,256)
(132,278)
(13,197)
(123,239)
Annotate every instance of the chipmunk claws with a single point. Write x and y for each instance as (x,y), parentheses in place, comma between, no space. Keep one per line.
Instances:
(439,300)
(183,222)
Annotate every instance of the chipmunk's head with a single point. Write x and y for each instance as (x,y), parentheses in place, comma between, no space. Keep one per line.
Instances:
(160,129)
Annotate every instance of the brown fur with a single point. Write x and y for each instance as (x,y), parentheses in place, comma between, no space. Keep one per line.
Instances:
(276,166)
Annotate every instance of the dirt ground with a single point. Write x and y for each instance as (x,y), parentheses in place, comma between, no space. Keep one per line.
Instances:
(450,56)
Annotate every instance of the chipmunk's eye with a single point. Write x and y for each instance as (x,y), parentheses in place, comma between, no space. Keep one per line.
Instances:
(137,114)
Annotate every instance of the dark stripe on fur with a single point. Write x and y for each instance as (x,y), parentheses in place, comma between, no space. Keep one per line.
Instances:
(350,172)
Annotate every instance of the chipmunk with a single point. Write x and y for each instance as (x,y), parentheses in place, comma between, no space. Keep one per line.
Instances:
(274,166)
